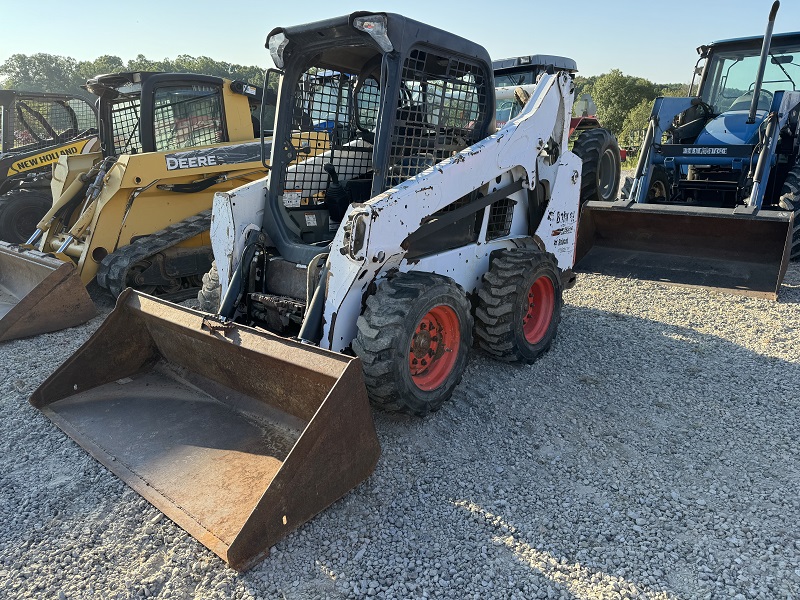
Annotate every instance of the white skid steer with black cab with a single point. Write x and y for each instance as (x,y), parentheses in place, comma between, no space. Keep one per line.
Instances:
(419,228)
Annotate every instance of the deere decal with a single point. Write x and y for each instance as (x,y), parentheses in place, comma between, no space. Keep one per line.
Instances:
(212,157)
(47,157)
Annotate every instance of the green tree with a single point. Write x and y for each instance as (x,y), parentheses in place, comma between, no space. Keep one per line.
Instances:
(617,94)
(100,66)
(635,123)
(50,73)
(41,73)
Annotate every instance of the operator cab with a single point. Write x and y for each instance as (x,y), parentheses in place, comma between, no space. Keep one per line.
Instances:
(146,111)
(392,97)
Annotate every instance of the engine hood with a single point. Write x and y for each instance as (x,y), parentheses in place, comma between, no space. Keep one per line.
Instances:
(731,128)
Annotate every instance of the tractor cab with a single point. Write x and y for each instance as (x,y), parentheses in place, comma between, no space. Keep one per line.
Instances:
(711,142)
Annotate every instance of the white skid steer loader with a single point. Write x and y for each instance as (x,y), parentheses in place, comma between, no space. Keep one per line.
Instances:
(371,267)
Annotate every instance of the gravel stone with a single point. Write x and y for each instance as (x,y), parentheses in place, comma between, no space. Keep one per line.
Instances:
(651,453)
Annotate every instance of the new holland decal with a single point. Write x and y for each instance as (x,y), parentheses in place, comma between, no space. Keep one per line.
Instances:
(47,157)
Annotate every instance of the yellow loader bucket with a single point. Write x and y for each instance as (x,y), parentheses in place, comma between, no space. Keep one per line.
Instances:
(237,435)
(698,247)
(39,293)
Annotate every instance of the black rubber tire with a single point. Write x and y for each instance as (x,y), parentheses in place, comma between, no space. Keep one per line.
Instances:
(790,200)
(387,328)
(504,303)
(20,212)
(210,294)
(600,174)
(659,185)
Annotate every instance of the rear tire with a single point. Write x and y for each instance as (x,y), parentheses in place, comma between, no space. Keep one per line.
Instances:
(600,174)
(790,200)
(519,305)
(20,212)
(210,294)
(406,368)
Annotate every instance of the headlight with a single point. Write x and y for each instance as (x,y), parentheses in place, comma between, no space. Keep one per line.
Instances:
(355,235)
(375,26)
(277,44)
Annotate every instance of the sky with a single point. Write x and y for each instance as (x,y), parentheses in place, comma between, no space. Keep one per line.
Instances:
(654,40)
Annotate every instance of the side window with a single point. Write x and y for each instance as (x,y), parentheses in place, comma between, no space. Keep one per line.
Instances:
(188,116)
(441,107)
(83,113)
(125,125)
(41,122)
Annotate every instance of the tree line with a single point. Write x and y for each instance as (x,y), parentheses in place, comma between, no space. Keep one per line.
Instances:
(62,74)
(623,101)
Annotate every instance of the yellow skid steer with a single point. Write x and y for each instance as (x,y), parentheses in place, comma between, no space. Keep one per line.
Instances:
(138,213)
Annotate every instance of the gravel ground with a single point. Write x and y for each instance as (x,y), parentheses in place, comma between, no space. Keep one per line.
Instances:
(652,453)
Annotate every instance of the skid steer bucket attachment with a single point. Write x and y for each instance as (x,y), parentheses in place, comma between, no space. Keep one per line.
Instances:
(237,435)
(39,293)
(699,247)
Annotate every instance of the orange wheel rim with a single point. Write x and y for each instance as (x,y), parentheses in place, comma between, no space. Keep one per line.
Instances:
(434,348)
(541,303)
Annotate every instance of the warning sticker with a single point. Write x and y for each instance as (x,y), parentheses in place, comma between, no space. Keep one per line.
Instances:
(291,198)
(311,219)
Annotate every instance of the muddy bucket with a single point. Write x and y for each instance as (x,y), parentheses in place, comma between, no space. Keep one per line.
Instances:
(237,435)
(39,293)
(711,248)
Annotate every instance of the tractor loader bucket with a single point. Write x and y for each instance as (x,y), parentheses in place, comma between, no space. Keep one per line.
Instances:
(698,247)
(237,435)
(39,293)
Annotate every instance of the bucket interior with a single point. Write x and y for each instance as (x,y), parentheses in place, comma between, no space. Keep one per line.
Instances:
(707,249)
(238,436)
(39,293)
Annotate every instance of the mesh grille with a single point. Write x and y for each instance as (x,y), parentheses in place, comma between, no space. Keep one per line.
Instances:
(125,125)
(500,215)
(438,113)
(39,123)
(324,105)
(188,116)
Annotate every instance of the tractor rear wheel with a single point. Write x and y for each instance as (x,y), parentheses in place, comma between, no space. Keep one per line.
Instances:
(413,340)
(790,200)
(20,212)
(519,305)
(599,151)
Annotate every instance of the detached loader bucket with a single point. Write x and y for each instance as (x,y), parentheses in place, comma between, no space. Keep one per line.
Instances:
(237,435)
(39,293)
(698,247)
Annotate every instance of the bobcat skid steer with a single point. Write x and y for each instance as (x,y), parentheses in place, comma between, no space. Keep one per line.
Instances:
(138,213)
(364,270)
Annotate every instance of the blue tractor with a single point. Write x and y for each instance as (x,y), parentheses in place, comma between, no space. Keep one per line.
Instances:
(715,198)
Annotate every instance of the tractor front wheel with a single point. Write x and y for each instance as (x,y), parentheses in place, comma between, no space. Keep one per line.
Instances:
(413,339)
(519,305)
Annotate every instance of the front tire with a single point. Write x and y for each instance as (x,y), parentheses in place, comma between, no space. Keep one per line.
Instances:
(519,305)
(21,211)
(413,340)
